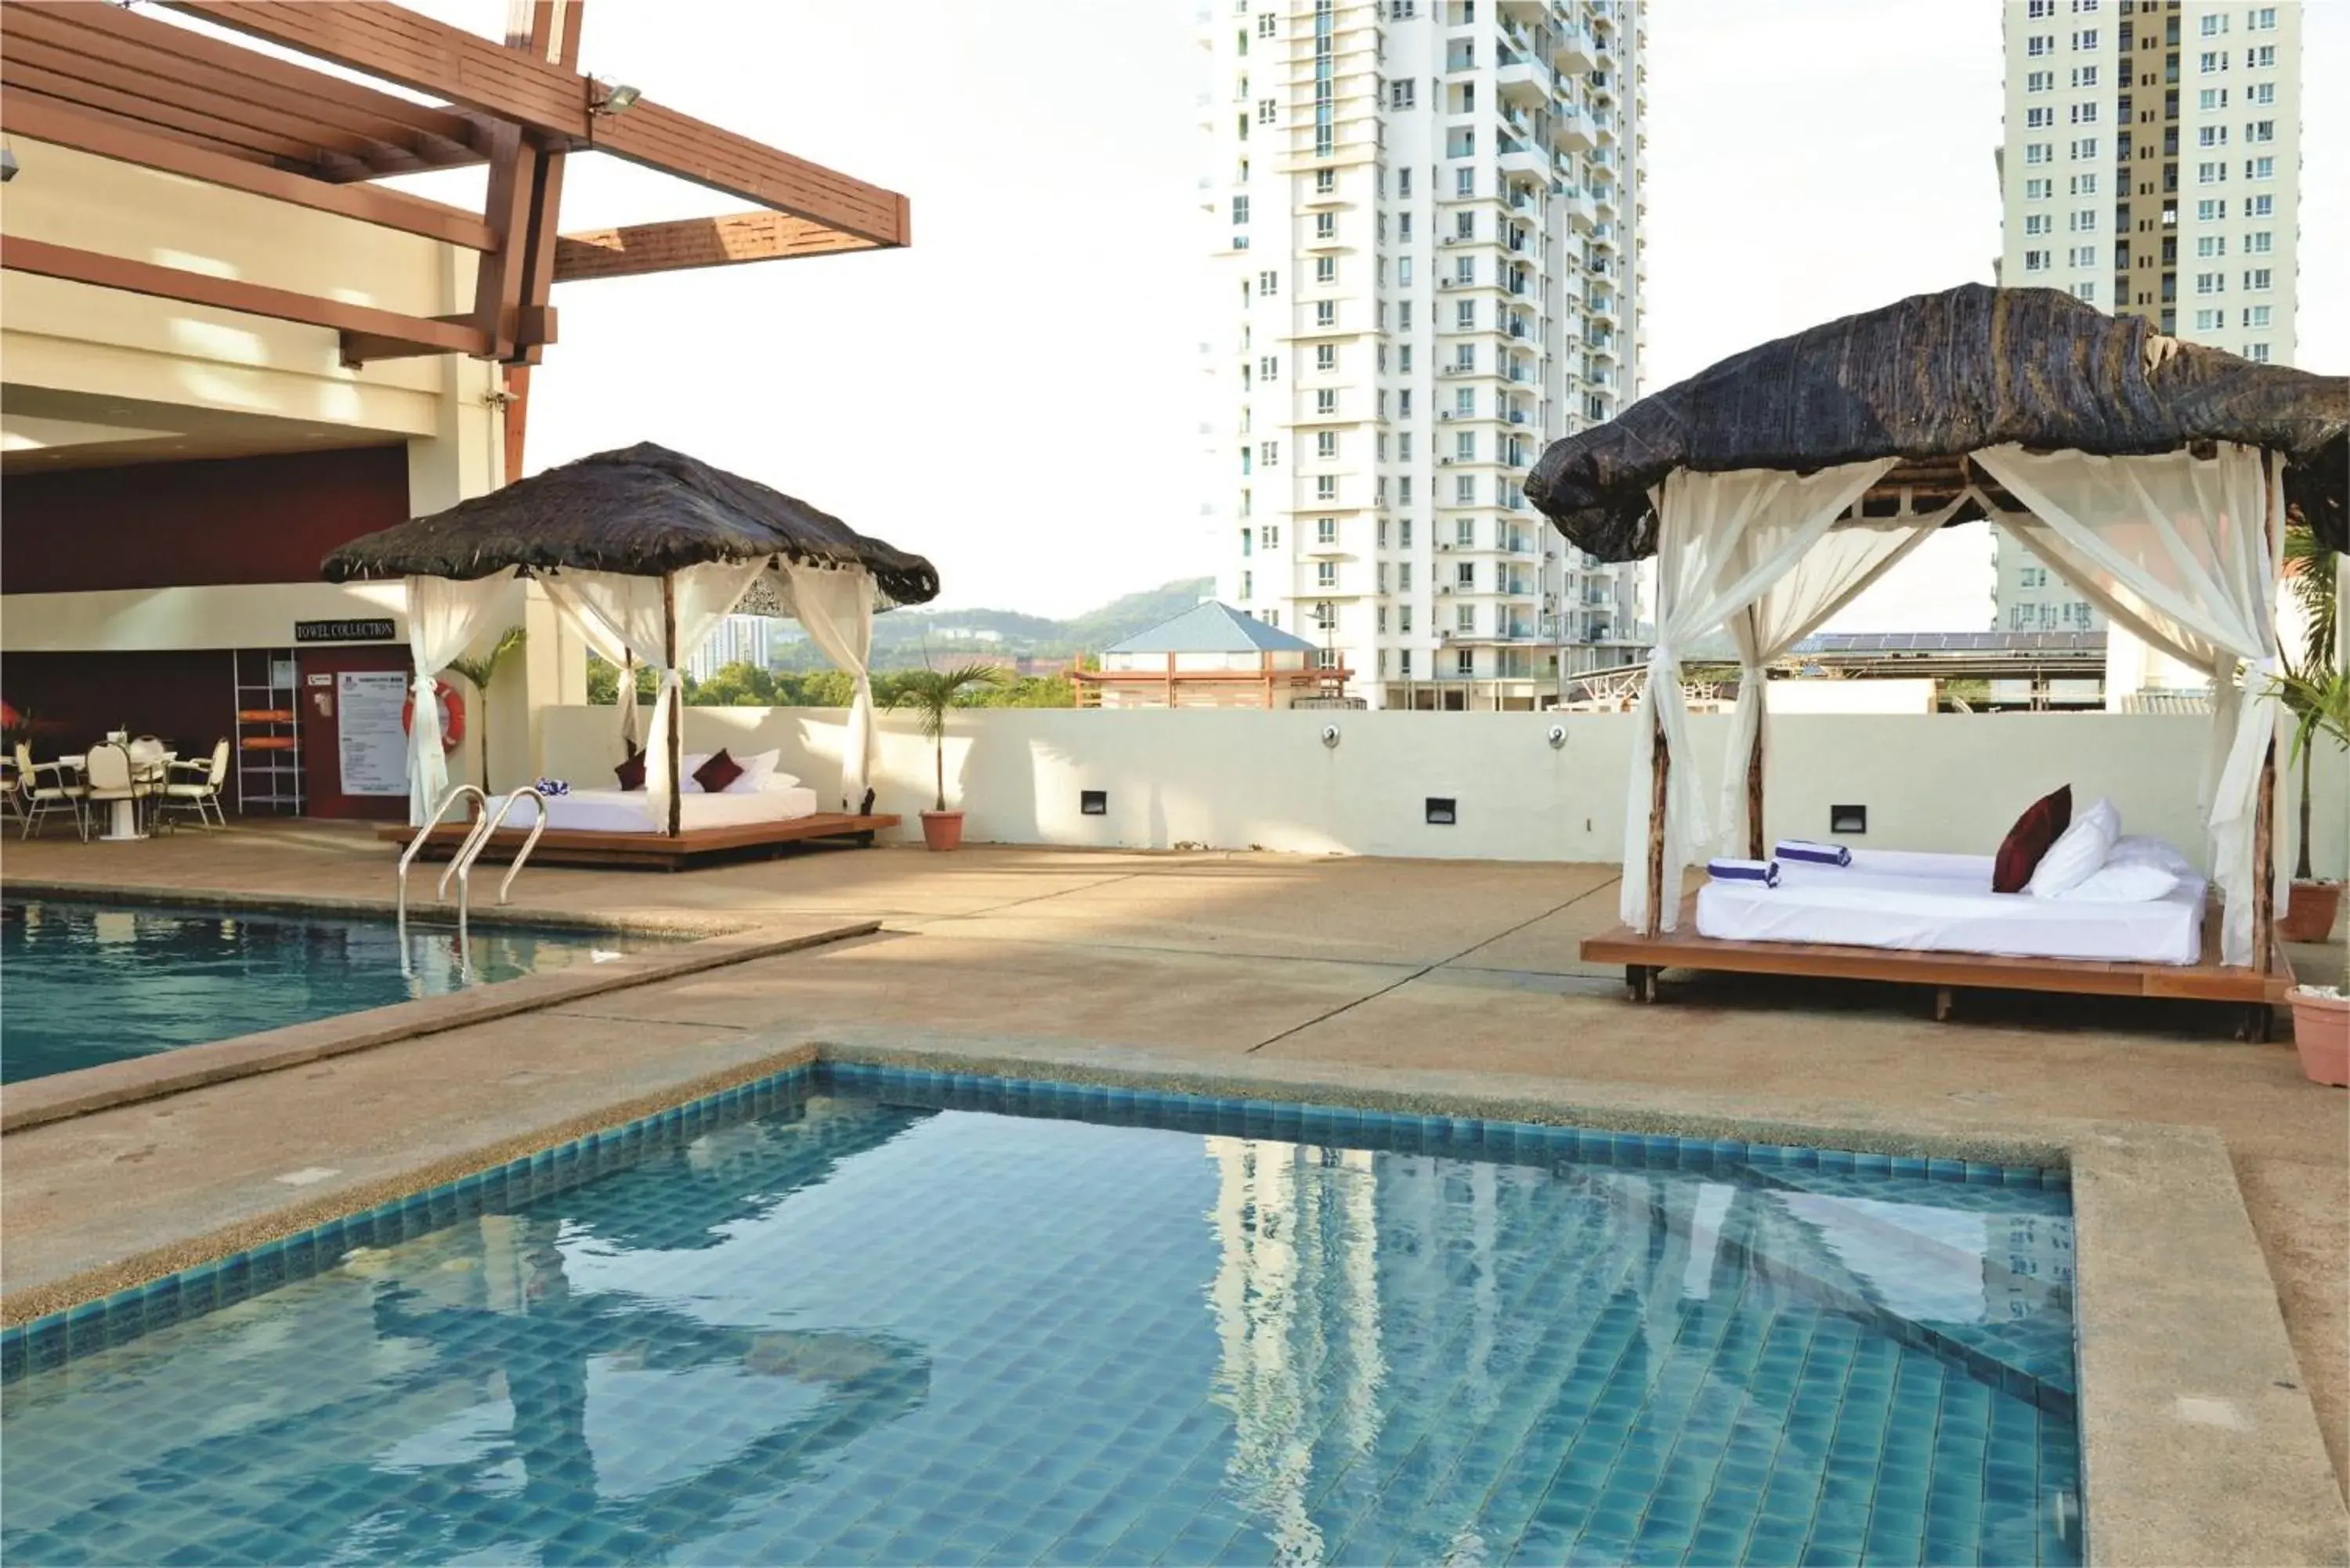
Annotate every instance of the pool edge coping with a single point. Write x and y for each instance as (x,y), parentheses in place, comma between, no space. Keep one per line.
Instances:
(60,1097)
(2199,1440)
(674,923)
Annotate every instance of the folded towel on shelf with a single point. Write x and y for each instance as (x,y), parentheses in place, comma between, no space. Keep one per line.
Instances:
(552,786)
(1817,853)
(1763,871)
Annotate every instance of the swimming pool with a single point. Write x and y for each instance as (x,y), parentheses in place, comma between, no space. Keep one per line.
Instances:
(866,1314)
(87,983)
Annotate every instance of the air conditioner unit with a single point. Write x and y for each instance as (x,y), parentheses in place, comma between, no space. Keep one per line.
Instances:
(1444,544)
(1444,588)
(1445,461)
(1444,413)
(1449,240)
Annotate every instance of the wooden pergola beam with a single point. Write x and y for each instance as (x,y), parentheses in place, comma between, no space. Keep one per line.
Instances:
(423,333)
(690,242)
(557,105)
(430,136)
(39,119)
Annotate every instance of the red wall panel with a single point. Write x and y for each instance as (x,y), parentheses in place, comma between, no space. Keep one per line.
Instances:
(164,524)
(185,695)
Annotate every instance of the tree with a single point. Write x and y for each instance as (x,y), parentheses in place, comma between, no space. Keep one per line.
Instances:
(2311,680)
(479,672)
(930,692)
(604,682)
(741,684)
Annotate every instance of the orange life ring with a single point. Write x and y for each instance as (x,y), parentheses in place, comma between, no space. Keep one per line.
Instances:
(453,715)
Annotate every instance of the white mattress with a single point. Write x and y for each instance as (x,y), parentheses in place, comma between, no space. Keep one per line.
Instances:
(638,811)
(1943,903)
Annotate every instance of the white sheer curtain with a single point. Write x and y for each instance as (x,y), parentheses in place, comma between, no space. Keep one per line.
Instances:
(629,614)
(1723,539)
(2183,552)
(444,617)
(835,604)
(1830,575)
(587,615)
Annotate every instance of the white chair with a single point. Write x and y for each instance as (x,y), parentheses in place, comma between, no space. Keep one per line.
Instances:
(12,807)
(196,786)
(109,781)
(38,800)
(149,762)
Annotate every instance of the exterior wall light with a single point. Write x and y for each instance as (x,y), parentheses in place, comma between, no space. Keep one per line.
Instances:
(616,97)
(7,164)
(1557,736)
(1330,735)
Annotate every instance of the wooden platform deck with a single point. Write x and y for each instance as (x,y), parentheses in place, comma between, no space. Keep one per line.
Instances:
(654,851)
(2209,980)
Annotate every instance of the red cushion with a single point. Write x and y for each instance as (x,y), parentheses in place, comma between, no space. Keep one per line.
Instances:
(715,775)
(631,774)
(2042,824)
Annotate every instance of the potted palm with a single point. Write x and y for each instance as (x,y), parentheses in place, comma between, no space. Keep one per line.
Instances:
(930,693)
(479,671)
(2321,1015)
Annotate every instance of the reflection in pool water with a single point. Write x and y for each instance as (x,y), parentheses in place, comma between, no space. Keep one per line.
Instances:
(861,1330)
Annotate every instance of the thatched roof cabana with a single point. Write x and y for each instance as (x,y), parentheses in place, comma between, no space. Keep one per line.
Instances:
(643,551)
(643,510)
(2152,475)
(1933,378)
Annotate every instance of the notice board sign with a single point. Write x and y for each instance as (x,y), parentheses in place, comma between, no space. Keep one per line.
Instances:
(373,746)
(373,630)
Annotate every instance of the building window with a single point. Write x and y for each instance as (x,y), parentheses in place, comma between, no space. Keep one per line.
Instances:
(1465,619)
(2038,44)
(1326,444)
(2085,255)
(2084,184)
(2086,38)
(2209,245)
(1326,227)
(2210,174)
(2212,61)
(2259,169)
(1326,529)
(1403,585)
(2210,211)
(2256,316)
(1268,283)
(1266,108)
(2210,283)
(2261,59)
(2084,114)
(2258,353)
(2040,81)
(2213,26)
(1326,313)
(2084,148)
(2084,77)
(1403,655)
(1464,182)
(2260,206)
(2084,220)
(1325,357)
(1269,453)
(2086,292)
(1326,268)
(1326,487)
(2038,10)
(2263,20)
(1325,575)
(2038,118)
(2211,136)
(1464,577)
(2257,280)
(1326,616)
(1465,490)
(1464,662)
(1265,24)
(1403,446)
(2211,99)
(1464,533)
(1239,209)
(2039,190)
(1325,182)
(1325,401)
(2261,94)
(1464,402)
(1402,94)
(1464,315)
(2038,151)
(2209,320)
(2035,261)
(1272,532)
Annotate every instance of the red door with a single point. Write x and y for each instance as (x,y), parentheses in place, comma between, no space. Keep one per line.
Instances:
(372,768)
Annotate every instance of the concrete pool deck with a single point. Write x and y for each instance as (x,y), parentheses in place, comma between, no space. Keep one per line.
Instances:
(1342,969)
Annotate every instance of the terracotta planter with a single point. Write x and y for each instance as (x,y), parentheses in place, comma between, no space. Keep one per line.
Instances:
(2308,914)
(2320,1033)
(942,829)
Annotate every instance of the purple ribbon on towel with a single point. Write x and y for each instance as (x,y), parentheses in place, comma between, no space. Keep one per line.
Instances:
(1817,853)
(1763,871)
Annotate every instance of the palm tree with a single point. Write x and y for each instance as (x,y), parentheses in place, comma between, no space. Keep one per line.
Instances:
(2311,675)
(479,672)
(930,692)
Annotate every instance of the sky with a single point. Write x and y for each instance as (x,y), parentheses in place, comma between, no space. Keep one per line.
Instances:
(1017,394)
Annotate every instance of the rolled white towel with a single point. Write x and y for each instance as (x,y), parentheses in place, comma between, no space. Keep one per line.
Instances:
(1763,871)
(1814,854)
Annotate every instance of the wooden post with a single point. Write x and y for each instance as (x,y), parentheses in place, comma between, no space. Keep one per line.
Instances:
(1659,773)
(676,738)
(2263,862)
(1754,789)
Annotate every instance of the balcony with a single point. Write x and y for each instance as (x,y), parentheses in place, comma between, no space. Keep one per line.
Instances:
(1521,160)
(1574,49)
(1524,80)
(1577,131)
(1582,212)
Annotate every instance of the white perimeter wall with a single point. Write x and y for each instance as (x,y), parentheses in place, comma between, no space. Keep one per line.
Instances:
(1248,779)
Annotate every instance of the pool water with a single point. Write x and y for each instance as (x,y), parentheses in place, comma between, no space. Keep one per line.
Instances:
(86,983)
(875,1316)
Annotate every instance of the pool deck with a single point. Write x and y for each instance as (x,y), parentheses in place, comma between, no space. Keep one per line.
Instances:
(1437,973)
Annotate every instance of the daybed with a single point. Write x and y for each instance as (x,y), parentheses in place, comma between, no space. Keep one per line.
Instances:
(638,811)
(1944,903)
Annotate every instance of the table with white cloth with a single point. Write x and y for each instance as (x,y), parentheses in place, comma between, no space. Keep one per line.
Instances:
(122,825)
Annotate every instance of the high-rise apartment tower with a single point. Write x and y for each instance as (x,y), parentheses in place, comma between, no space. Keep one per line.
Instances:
(2151,165)
(1426,266)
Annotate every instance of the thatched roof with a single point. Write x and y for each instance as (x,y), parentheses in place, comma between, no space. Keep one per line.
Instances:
(645,510)
(1936,377)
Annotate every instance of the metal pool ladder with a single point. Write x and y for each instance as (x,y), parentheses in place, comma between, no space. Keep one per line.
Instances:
(461,864)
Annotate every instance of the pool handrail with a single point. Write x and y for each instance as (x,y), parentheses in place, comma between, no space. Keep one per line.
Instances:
(416,845)
(461,865)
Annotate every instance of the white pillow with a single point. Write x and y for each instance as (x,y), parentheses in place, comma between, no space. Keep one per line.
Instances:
(2078,853)
(2123,883)
(2138,849)
(755,767)
(775,784)
(687,767)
